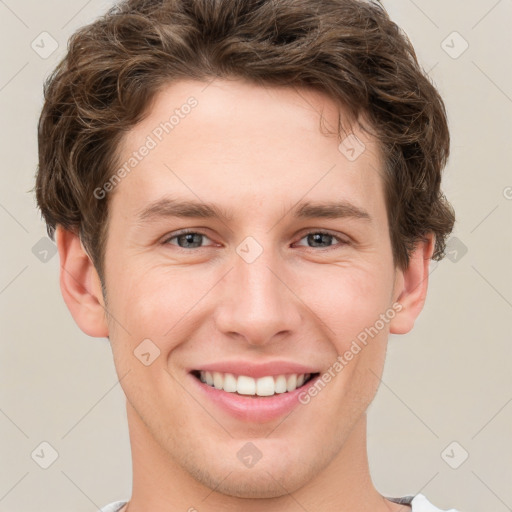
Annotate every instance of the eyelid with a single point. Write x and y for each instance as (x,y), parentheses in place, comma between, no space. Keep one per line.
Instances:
(342,239)
(185,231)
(307,231)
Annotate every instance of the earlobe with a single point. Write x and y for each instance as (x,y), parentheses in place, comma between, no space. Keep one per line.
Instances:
(80,285)
(411,287)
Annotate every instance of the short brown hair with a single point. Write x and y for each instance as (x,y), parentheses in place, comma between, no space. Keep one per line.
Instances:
(347,49)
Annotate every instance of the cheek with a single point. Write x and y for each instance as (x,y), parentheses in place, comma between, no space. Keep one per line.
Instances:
(348,300)
(143,309)
(151,302)
(161,304)
(147,311)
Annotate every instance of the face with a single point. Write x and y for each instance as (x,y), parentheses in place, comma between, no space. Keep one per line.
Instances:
(273,286)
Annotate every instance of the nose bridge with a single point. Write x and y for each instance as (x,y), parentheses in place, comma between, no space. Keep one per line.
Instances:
(258,305)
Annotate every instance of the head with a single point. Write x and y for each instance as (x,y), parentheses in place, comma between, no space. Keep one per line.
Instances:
(275,104)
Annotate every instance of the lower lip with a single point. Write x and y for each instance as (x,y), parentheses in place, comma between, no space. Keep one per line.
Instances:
(256,410)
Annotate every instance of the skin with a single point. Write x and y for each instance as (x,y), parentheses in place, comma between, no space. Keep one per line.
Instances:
(258,151)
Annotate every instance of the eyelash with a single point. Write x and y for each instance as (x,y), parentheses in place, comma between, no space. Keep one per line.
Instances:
(341,241)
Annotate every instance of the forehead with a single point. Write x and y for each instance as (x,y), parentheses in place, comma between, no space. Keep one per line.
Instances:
(237,145)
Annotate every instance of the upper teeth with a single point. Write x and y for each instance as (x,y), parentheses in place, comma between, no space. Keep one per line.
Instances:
(264,386)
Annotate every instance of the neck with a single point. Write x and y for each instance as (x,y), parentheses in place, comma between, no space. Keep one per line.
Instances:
(161,484)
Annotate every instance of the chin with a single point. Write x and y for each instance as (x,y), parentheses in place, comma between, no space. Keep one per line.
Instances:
(278,473)
(253,483)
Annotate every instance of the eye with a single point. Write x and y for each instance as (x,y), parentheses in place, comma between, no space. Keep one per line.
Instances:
(319,238)
(187,239)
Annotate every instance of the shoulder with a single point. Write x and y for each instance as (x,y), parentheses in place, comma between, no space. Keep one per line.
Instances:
(113,507)
(421,504)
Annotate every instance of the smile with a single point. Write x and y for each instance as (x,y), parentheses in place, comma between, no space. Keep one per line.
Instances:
(263,386)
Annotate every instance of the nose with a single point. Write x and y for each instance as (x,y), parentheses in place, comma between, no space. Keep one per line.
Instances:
(259,304)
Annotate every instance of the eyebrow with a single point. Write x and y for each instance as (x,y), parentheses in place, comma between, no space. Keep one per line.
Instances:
(168,207)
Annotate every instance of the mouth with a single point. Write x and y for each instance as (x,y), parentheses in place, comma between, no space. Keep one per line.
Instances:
(249,387)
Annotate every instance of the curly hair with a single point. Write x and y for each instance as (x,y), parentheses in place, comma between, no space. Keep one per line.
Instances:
(348,49)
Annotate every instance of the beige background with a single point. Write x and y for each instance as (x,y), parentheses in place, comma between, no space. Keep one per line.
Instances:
(447,381)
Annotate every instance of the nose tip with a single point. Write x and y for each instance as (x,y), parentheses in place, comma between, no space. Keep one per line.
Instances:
(256,303)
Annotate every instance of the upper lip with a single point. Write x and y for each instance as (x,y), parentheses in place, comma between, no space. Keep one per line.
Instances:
(251,369)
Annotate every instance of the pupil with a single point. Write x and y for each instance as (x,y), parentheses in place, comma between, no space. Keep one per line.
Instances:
(317,238)
(189,238)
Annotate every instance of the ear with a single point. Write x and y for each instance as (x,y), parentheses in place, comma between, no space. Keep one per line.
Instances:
(411,287)
(80,285)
